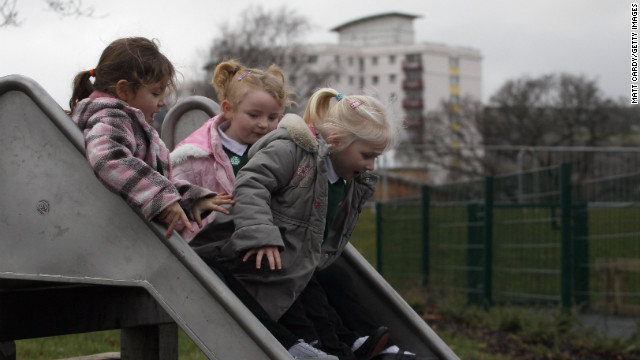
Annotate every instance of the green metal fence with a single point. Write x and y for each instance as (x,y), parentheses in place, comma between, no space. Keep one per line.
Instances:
(523,238)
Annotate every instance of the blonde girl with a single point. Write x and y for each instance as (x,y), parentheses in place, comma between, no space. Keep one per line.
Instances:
(252,102)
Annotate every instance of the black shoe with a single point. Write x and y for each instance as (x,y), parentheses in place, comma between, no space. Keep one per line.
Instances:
(373,345)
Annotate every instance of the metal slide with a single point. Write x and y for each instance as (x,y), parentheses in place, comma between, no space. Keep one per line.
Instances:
(59,224)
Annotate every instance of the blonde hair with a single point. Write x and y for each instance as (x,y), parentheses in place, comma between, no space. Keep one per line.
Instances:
(231,81)
(351,118)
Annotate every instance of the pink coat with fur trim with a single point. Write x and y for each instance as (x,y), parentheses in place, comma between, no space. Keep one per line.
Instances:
(200,159)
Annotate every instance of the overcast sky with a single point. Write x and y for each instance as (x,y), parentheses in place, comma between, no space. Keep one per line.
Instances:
(516,37)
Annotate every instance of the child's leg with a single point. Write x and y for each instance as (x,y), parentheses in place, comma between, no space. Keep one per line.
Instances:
(334,338)
(339,289)
(284,336)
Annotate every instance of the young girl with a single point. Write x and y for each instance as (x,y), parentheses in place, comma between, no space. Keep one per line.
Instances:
(125,151)
(299,196)
(252,102)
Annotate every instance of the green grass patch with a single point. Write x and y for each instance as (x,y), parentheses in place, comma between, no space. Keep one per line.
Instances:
(66,346)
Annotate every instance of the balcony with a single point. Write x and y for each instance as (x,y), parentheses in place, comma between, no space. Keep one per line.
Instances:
(413,121)
(412,84)
(415,137)
(411,66)
(412,104)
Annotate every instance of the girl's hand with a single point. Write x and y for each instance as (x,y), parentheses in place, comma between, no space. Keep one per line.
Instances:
(210,203)
(272,254)
(171,215)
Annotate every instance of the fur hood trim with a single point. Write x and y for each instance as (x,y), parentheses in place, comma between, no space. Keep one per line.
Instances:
(186,151)
(300,132)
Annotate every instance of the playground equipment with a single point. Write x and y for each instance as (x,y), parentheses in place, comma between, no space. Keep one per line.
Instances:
(74,257)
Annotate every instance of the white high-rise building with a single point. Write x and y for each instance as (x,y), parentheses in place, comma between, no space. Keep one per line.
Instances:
(379,56)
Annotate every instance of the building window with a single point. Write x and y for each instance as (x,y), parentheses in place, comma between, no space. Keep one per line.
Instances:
(374,79)
(392,59)
(351,80)
(313,59)
(454,61)
(361,62)
(337,78)
(413,57)
(337,59)
(392,78)
(350,61)
(454,80)
(374,60)
(361,82)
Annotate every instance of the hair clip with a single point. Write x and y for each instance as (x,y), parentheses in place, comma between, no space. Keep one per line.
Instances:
(339,96)
(243,75)
(92,72)
(355,103)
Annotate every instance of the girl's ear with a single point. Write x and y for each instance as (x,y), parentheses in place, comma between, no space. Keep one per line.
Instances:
(226,108)
(334,139)
(123,90)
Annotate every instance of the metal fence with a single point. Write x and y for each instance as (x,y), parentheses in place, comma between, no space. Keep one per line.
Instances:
(527,238)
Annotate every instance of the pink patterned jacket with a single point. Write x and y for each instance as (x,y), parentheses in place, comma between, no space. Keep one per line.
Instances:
(129,157)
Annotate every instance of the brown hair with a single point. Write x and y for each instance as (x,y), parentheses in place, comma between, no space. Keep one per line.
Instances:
(137,60)
(231,80)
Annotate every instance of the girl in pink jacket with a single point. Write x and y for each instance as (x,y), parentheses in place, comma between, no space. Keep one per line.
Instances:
(252,103)
(115,112)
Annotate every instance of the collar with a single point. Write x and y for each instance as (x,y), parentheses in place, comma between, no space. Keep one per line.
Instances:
(331,172)
(233,146)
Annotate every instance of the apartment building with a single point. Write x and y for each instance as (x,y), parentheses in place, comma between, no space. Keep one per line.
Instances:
(378,55)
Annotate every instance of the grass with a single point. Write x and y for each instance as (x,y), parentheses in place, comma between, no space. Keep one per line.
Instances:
(58,347)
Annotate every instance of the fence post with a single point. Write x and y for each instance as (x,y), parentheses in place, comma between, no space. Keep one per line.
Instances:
(580,237)
(425,234)
(475,255)
(379,236)
(488,240)
(566,295)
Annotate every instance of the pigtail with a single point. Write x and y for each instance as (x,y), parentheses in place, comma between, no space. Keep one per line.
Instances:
(222,77)
(276,71)
(82,88)
(318,106)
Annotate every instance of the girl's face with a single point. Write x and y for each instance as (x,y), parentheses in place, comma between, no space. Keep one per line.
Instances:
(257,114)
(149,98)
(355,159)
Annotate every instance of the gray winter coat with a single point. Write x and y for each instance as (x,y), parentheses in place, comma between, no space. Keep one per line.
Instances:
(281,200)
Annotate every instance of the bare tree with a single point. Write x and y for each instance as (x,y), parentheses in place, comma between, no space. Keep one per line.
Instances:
(9,14)
(451,143)
(466,140)
(262,37)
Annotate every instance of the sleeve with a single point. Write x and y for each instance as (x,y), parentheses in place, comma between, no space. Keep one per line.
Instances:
(268,171)
(110,145)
